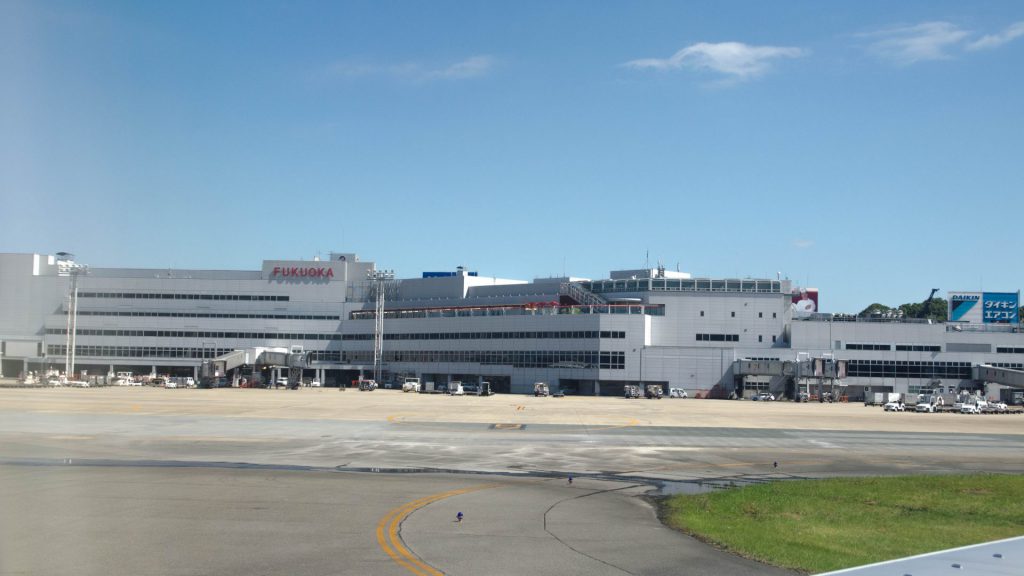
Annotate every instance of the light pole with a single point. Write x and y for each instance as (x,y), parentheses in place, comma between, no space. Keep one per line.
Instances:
(379,278)
(66,266)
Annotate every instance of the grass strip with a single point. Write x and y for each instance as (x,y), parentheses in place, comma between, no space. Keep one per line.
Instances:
(821,525)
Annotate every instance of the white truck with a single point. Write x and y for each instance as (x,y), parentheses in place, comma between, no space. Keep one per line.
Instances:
(540,389)
(411,385)
(455,388)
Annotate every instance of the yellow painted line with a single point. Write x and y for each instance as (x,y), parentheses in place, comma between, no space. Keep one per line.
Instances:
(391,543)
(632,422)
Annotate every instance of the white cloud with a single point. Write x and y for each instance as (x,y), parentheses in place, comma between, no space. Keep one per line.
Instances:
(469,68)
(1013,32)
(734,59)
(910,44)
(803,244)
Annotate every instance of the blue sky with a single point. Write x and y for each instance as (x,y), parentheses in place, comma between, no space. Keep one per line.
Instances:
(870,149)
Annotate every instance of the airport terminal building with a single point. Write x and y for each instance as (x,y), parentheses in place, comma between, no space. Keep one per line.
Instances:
(712,337)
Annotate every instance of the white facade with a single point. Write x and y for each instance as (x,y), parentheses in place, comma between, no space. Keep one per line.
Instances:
(644,326)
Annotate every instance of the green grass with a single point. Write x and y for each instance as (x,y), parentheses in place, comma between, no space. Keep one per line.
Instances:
(822,525)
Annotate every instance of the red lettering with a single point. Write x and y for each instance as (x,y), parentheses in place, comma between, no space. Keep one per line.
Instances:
(303,272)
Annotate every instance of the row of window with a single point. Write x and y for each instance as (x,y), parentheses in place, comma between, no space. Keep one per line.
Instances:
(198,334)
(718,337)
(684,285)
(907,369)
(918,348)
(165,296)
(516,358)
(1009,350)
(617,334)
(469,312)
(242,316)
(138,351)
(899,347)
(869,347)
(732,314)
(493,335)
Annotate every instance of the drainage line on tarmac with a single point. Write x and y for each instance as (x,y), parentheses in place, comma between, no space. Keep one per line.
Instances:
(697,484)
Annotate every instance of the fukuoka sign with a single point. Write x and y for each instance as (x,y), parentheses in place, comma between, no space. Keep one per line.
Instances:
(301,272)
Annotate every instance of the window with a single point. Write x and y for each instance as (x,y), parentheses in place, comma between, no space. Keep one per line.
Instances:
(773,338)
(701,313)
(760,338)
(733,314)
(773,314)
(760,314)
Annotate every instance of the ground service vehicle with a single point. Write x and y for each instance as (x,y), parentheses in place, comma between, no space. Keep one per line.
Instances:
(925,407)
(653,391)
(367,385)
(540,389)
(631,391)
(677,393)
(411,385)
(455,388)
(894,407)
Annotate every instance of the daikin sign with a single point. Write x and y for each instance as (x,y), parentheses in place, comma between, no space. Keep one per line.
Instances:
(984,307)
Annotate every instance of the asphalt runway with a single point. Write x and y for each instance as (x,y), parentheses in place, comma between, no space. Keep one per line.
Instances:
(146,481)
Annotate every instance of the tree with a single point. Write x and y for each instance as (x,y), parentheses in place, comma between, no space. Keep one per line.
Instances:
(875,308)
(935,309)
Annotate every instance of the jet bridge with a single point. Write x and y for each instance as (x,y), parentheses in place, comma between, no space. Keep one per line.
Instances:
(294,360)
(809,375)
(1005,376)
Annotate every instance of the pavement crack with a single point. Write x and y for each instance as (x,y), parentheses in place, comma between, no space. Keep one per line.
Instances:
(570,546)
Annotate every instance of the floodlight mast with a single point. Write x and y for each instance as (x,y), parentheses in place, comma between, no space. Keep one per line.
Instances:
(379,277)
(66,266)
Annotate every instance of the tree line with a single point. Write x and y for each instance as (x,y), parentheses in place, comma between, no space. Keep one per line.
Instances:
(936,309)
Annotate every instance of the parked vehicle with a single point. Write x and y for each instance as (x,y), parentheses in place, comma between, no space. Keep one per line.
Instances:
(540,389)
(367,385)
(653,391)
(970,409)
(631,391)
(894,407)
(455,388)
(764,397)
(996,408)
(411,385)
(677,393)
(925,407)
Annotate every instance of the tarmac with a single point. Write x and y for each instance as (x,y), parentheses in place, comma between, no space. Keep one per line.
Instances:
(317,481)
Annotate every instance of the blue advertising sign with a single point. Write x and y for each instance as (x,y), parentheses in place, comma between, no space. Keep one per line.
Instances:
(1001,307)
